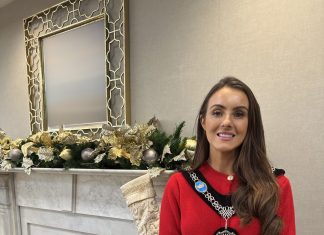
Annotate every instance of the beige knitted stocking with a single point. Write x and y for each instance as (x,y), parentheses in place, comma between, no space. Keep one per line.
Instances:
(140,198)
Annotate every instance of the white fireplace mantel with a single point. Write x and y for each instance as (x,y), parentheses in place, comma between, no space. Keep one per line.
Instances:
(68,202)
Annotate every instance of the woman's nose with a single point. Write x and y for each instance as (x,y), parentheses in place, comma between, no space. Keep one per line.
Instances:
(227,121)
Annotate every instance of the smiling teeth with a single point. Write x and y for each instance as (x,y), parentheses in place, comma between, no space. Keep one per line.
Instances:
(225,135)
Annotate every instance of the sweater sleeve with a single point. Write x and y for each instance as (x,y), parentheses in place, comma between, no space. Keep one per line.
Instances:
(286,207)
(170,210)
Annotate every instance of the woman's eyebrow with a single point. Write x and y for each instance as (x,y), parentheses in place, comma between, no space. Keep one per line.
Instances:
(223,107)
(242,107)
(218,106)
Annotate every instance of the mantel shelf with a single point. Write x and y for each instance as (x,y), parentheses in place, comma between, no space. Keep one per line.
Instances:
(79,171)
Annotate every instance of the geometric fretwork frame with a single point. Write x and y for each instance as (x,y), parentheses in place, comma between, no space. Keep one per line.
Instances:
(66,16)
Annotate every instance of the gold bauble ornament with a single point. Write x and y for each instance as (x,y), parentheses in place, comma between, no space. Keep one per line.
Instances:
(66,154)
(191,144)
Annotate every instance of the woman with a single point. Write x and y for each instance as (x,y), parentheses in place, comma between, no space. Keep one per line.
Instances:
(232,189)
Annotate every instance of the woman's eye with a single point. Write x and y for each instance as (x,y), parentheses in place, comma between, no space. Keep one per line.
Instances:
(239,114)
(217,113)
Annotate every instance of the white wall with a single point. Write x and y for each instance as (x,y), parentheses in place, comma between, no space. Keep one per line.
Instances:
(180,48)
(14,109)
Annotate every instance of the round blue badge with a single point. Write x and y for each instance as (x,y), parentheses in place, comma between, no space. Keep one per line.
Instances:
(200,186)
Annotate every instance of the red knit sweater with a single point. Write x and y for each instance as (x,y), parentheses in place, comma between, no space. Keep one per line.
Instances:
(184,212)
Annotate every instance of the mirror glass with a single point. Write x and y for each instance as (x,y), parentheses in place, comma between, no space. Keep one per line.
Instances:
(74,75)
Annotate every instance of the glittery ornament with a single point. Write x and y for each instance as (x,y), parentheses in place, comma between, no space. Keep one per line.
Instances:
(45,154)
(86,154)
(150,156)
(15,154)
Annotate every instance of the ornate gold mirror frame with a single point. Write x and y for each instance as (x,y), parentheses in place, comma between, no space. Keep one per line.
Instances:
(69,15)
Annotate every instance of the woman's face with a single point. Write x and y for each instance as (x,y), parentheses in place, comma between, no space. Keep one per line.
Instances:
(226,120)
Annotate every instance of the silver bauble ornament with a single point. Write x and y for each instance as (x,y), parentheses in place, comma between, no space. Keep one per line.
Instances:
(15,154)
(86,154)
(150,156)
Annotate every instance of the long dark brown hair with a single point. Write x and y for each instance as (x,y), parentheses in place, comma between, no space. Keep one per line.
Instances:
(258,192)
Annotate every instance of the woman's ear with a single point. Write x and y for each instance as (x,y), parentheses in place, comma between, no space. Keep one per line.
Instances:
(202,121)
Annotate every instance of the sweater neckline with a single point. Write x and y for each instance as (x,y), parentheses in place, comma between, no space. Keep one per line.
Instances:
(209,170)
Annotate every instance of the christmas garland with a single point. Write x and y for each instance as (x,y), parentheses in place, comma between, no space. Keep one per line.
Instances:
(142,146)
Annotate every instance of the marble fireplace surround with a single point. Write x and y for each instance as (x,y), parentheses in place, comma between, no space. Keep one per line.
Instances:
(68,202)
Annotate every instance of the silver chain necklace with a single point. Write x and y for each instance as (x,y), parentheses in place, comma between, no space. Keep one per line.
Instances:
(226,212)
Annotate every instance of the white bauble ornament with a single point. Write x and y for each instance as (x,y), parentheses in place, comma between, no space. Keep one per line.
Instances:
(150,156)
(15,154)
(86,154)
